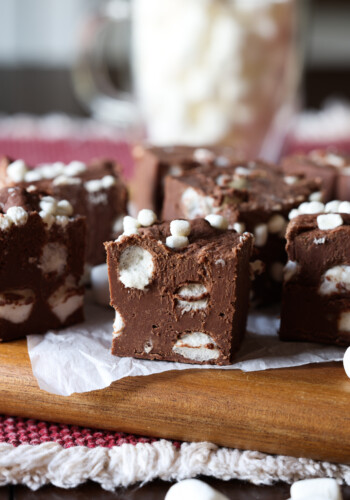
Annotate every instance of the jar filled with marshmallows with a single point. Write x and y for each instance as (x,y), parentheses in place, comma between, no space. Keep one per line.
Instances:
(202,71)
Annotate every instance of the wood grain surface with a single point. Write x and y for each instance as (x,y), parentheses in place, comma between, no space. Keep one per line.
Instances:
(301,411)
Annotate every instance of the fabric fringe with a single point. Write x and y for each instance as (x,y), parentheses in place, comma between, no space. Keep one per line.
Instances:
(121,466)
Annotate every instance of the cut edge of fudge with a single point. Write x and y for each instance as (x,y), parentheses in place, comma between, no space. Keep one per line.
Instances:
(41,264)
(162,283)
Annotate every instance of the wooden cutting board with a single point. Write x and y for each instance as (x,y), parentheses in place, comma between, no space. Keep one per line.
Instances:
(301,411)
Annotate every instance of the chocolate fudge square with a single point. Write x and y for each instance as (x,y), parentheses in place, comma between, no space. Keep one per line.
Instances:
(255,197)
(332,168)
(41,263)
(177,297)
(316,291)
(95,190)
(153,163)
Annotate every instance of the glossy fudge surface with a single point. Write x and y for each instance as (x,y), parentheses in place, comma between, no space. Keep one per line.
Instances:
(316,291)
(253,196)
(41,263)
(180,304)
(95,190)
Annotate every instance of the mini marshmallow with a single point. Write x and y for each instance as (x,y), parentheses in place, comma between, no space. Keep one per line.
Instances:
(176,242)
(193,489)
(239,227)
(146,217)
(346,361)
(332,206)
(17,170)
(293,213)
(5,222)
(291,179)
(180,227)
(62,220)
(322,488)
(64,208)
(74,168)
(48,204)
(17,215)
(317,196)
(276,224)
(99,284)
(32,176)
(329,221)
(203,155)
(313,207)
(260,235)
(130,225)
(49,219)
(344,207)
(108,181)
(217,221)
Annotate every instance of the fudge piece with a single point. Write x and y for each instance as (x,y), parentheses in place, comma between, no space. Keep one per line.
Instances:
(180,291)
(254,197)
(95,190)
(41,263)
(316,291)
(152,164)
(332,168)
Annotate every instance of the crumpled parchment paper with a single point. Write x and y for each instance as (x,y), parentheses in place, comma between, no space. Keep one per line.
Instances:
(78,359)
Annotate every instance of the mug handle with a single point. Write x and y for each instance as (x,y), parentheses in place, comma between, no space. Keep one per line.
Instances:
(91,79)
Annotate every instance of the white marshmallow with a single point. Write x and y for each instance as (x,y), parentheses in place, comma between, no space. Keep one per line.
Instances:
(32,176)
(148,346)
(130,225)
(5,222)
(239,227)
(344,322)
(312,207)
(62,220)
(332,206)
(317,196)
(291,179)
(74,168)
(293,213)
(217,221)
(194,346)
(195,205)
(146,217)
(108,181)
(346,361)
(203,155)
(344,207)
(193,489)
(48,204)
(322,488)
(64,208)
(319,241)
(100,284)
(17,215)
(242,171)
(290,269)
(329,221)
(19,310)
(17,170)
(118,324)
(63,180)
(276,224)
(332,278)
(63,302)
(53,258)
(260,235)
(190,291)
(136,267)
(180,227)
(177,242)
(93,185)
(49,219)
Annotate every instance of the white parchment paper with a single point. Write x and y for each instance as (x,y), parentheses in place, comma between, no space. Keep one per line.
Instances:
(78,359)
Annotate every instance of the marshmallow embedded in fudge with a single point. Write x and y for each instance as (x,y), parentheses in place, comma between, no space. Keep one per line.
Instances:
(99,284)
(316,291)
(319,488)
(42,261)
(94,190)
(184,303)
(251,196)
(153,164)
(193,489)
(346,362)
(332,168)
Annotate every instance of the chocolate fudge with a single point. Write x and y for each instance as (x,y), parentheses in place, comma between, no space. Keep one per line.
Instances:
(180,291)
(316,291)
(152,164)
(332,168)
(253,196)
(95,190)
(41,263)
